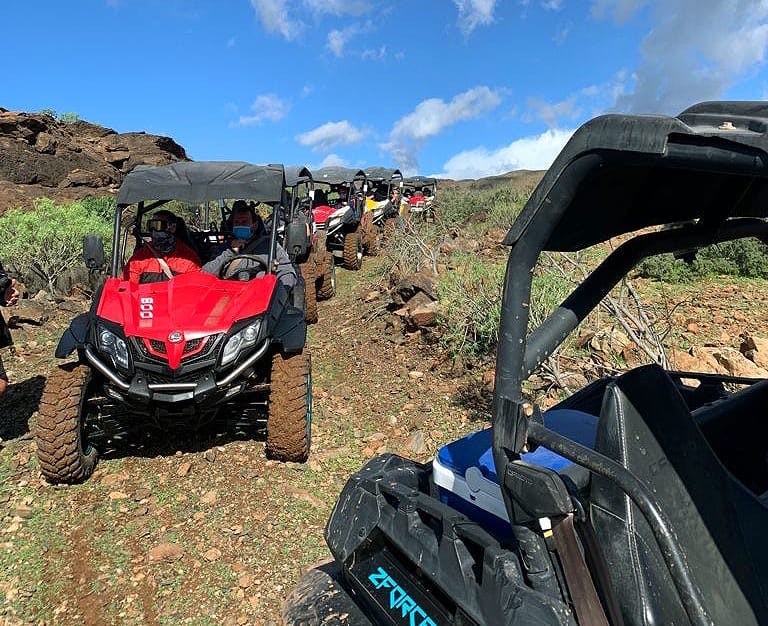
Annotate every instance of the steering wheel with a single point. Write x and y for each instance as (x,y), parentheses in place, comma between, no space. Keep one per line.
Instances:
(249,271)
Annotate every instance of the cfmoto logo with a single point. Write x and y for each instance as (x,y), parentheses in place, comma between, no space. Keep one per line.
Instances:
(175,336)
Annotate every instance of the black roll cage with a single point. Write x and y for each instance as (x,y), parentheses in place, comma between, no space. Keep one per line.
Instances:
(520,353)
(292,182)
(379,175)
(118,247)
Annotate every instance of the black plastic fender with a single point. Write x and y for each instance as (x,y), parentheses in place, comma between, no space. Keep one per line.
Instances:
(291,329)
(75,336)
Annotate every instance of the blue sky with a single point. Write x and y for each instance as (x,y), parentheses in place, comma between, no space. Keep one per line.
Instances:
(458,88)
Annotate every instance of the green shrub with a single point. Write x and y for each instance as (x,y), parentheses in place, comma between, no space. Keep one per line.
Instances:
(470,306)
(747,258)
(548,290)
(49,112)
(48,240)
(500,206)
(69,118)
(470,303)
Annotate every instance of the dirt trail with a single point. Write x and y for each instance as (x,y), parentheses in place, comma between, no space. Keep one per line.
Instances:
(208,531)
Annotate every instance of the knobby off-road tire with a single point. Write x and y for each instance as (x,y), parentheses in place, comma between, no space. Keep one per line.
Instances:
(289,419)
(310,295)
(326,276)
(63,452)
(371,239)
(320,598)
(353,250)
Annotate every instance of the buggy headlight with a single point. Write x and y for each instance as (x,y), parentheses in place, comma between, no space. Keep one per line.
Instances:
(114,347)
(241,340)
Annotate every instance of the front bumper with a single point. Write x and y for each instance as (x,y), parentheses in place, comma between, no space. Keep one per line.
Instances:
(206,387)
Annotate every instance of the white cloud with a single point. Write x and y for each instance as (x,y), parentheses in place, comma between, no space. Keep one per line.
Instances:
(552,113)
(306,90)
(284,17)
(267,107)
(337,39)
(582,104)
(622,10)
(552,5)
(694,51)
(432,116)
(333,159)
(274,17)
(529,153)
(339,7)
(474,13)
(374,54)
(331,134)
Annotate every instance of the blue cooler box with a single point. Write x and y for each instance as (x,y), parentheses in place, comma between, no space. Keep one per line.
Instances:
(465,474)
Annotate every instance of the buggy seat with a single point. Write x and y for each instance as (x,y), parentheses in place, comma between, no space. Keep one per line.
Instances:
(646,426)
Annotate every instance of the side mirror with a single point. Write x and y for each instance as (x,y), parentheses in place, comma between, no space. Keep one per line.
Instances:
(296,241)
(93,252)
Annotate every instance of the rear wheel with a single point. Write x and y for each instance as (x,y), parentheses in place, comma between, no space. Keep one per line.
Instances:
(289,419)
(63,451)
(310,296)
(371,239)
(326,277)
(353,250)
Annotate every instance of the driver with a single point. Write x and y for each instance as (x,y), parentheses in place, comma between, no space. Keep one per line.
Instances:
(251,238)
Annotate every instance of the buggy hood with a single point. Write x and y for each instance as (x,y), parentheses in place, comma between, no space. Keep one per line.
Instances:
(621,173)
(195,304)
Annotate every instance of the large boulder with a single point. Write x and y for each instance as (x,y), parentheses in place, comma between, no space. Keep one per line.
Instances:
(40,156)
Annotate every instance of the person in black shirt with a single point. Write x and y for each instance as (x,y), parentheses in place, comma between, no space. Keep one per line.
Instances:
(9,296)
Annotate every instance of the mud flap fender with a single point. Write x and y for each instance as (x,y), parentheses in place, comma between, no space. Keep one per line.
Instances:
(291,329)
(75,336)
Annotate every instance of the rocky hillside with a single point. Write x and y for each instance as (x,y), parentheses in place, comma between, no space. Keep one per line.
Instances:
(40,156)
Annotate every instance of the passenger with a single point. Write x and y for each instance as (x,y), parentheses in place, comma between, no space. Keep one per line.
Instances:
(8,297)
(164,257)
(253,239)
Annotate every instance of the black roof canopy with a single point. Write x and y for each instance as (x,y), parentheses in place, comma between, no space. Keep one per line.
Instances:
(382,173)
(295,174)
(335,175)
(200,181)
(622,173)
(415,181)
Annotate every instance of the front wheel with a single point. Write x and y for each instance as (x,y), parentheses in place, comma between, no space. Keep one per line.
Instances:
(63,451)
(310,295)
(289,420)
(353,250)
(326,277)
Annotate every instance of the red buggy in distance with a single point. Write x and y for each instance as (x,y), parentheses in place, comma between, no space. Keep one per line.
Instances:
(176,354)
(338,204)
(419,192)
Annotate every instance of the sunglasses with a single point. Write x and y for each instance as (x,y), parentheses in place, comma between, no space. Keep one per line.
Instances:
(157,224)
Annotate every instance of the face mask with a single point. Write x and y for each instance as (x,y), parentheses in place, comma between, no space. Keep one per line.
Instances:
(242,232)
(163,241)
